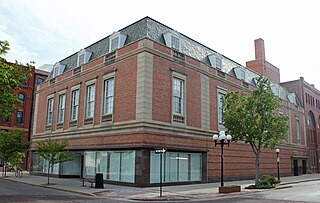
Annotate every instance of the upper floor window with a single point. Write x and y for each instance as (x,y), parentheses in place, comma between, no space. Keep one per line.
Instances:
(116,41)
(172,40)
(220,106)
(178,96)
(108,96)
(74,104)
(215,61)
(58,69)
(49,111)
(19,116)
(21,97)
(240,73)
(5,120)
(90,101)
(298,130)
(62,99)
(83,57)
(319,122)
(40,80)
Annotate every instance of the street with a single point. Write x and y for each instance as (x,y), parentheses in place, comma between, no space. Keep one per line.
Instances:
(19,192)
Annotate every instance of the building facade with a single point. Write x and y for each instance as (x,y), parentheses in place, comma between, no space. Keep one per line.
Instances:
(310,97)
(148,87)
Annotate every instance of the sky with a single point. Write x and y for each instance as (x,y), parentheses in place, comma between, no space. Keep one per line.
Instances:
(46,31)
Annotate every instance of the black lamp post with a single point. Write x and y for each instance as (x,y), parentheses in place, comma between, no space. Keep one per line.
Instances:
(220,140)
(278,163)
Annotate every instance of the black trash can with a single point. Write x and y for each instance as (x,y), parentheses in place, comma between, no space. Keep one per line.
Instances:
(99,180)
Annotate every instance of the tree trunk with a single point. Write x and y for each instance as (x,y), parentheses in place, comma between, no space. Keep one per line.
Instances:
(48,173)
(257,167)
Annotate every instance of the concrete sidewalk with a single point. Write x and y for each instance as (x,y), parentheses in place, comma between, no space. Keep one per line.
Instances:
(181,192)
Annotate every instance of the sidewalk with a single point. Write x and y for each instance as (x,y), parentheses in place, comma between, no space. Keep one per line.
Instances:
(181,192)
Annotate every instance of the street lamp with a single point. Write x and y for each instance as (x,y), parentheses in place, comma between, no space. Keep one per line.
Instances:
(220,140)
(278,163)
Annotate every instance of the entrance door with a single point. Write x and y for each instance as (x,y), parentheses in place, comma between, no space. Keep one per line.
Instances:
(295,167)
(304,166)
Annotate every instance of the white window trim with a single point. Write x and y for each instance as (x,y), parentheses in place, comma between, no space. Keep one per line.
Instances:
(86,57)
(121,40)
(63,95)
(60,67)
(223,91)
(104,78)
(47,109)
(168,39)
(213,60)
(184,96)
(73,89)
(89,83)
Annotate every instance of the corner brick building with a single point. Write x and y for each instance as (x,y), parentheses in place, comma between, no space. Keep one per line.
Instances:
(146,87)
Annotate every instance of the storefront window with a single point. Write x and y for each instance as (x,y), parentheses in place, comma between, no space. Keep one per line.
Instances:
(71,167)
(176,167)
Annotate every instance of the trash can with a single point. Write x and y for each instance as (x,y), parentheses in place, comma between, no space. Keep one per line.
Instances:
(99,181)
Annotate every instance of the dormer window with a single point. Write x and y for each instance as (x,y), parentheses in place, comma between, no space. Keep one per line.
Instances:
(240,73)
(58,69)
(83,57)
(116,41)
(215,61)
(172,40)
(275,89)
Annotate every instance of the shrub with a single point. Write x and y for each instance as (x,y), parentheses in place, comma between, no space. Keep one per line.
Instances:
(264,182)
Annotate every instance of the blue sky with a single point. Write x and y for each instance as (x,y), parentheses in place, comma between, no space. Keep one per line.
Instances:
(47,31)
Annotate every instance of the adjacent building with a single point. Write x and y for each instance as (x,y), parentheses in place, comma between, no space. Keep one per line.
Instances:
(21,119)
(148,87)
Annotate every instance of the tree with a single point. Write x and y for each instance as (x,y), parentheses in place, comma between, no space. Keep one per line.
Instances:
(11,76)
(255,119)
(53,151)
(11,143)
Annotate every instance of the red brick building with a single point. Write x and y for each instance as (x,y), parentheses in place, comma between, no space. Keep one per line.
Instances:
(21,119)
(145,87)
(310,99)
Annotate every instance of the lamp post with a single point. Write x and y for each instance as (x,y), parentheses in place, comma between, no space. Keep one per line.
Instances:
(278,163)
(220,140)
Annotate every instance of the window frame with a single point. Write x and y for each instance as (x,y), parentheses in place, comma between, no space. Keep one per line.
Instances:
(223,92)
(90,103)
(74,104)
(106,97)
(50,107)
(61,108)
(19,120)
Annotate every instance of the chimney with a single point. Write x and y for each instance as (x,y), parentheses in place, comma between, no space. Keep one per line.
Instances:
(259,49)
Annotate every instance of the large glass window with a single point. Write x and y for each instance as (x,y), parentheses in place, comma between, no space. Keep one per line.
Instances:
(115,165)
(90,101)
(178,96)
(108,96)
(62,99)
(74,104)
(49,111)
(176,167)
(71,167)
(298,130)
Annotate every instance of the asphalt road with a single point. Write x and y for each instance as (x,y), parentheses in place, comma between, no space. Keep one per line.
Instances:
(18,192)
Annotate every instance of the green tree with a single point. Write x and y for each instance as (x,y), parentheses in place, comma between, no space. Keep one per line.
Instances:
(16,159)
(11,76)
(254,119)
(53,151)
(10,143)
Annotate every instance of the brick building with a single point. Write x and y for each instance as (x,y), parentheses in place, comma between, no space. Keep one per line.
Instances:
(310,98)
(148,86)
(21,119)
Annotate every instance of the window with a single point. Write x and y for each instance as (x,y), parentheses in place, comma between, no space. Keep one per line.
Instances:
(40,80)
(21,98)
(215,61)
(220,108)
(319,122)
(178,96)
(298,129)
(62,100)
(49,111)
(90,100)
(175,42)
(74,104)
(83,57)
(114,44)
(19,116)
(108,96)
(58,69)
(5,120)
(116,41)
